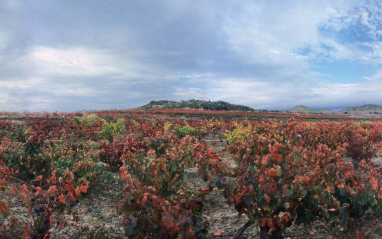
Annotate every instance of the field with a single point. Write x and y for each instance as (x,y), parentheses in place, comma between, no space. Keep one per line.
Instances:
(184,173)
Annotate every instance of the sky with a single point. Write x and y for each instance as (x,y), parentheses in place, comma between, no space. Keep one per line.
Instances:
(74,55)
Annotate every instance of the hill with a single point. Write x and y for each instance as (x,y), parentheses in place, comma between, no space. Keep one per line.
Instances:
(303,109)
(369,110)
(196,104)
(369,107)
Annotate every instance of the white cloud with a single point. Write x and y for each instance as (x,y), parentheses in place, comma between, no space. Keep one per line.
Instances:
(190,93)
(47,61)
(307,90)
(271,31)
(346,94)
(21,84)
(376,77)
(258,93)
(73,90)
(38,94)
(261,54)
(276,32)
(12,95)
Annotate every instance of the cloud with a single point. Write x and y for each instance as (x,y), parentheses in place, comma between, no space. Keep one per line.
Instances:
(269,54)
(295,32)
(3,40)
(70,62)
(12,4)
(271,31)
(260,94)
(12,95)
(377,77)
(190,93)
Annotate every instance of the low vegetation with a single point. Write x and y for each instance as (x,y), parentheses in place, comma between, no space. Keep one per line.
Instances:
(277,173)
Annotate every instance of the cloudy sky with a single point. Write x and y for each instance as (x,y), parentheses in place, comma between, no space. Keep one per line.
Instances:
(68,55)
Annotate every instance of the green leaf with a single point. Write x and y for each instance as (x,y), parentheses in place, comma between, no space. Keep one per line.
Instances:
(332,217)
(278,195)
(296,157)
(248,200)
(260,197)
(309,218)
(289,192)
(345,216)
(251,169)
(363,201)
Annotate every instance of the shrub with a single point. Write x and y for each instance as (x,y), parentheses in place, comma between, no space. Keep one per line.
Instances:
(110,130)
(239,133)
(157,203)
(182,131)
(281,180)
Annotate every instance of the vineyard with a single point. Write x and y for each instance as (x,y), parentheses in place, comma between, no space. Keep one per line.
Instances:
(176,173)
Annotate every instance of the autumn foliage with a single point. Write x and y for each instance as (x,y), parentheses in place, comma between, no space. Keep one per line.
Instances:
(278,173)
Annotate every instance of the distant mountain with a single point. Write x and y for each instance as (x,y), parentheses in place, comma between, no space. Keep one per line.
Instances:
(196,104)
(369,107)
(304,110)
